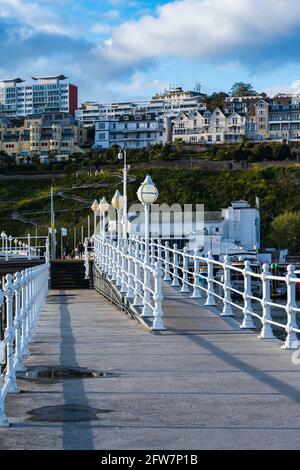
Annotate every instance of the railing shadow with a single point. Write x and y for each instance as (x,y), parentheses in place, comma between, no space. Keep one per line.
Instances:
(73,390)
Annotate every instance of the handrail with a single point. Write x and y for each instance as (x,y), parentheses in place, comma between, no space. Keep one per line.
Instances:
(137,280)
(194,273)
(21,301)
(29,247)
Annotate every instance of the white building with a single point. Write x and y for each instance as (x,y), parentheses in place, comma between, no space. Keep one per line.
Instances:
(234,230)
(45,94)
(203,126)
(131,131)
(167,104)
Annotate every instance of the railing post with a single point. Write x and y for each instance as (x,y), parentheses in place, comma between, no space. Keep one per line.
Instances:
(86,260)
(175,282)
(114,262)
(158,323)
(291,341)
(137,276)
(167,276)
(29,304)
(197,285)
(123,289)
(4,423)
(110,258)
(185,267)
(10,375)
(18,325)
(159,252)
(210,300)
(6,249)
(247,320)
(29,247)
(119,264)
(24,313)
(266,332)
(152,251)
(100,258)
(47,253)
(147,311)
(130,272)
(227,309)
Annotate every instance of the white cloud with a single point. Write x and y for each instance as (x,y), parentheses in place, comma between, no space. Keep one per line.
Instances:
(196,29)
(100,28)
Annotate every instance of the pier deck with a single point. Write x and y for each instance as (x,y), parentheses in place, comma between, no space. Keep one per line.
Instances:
(202,384)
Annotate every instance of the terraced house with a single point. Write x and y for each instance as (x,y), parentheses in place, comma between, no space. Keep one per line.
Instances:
(206,127)
(51,136)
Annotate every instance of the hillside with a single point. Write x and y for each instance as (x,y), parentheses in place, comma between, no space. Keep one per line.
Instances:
(277,188)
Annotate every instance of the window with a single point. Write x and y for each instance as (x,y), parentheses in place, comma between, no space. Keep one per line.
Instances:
(102,125)
(101,136)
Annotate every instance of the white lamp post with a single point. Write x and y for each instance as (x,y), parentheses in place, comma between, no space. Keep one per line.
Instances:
(123,155)
(94,208)
(118,202)
(147,194)
(104,207)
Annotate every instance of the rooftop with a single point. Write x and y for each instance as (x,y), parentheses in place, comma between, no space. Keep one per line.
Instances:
(51,77)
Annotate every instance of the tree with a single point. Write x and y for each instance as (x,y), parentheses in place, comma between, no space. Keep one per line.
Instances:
(242,89)
(179,143)
(285,230)
(216,100)
(282,152)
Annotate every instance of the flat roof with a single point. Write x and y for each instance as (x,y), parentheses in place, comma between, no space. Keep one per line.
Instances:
(50,77)
(16,80)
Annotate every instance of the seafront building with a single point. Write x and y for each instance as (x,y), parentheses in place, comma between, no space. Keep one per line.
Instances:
(132,131)
(45,94)
(48,137)
(255,118)
(167,104)
(206,127)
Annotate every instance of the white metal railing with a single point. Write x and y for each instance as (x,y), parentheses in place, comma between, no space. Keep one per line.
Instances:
(29,247)
(125,264)
(234,286)
(21,300)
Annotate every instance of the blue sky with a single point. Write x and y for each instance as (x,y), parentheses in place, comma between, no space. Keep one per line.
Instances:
(127,49)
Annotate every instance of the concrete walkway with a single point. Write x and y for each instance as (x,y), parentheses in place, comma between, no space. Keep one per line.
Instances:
(203,384)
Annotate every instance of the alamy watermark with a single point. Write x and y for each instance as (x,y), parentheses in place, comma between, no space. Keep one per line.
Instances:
(165,222)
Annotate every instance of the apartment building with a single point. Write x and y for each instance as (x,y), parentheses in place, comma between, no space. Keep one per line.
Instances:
(269,119)
(45,94)
(167,104)
(284,118)
(132,131)
(206,127)
(52,136)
